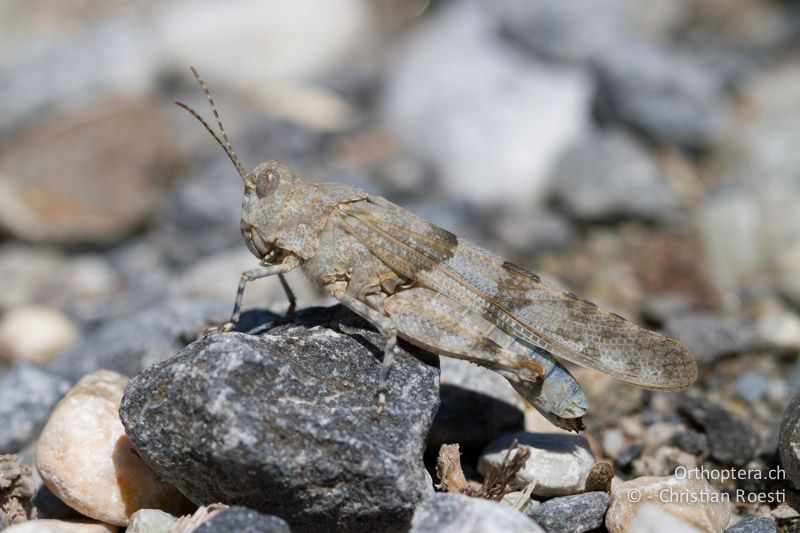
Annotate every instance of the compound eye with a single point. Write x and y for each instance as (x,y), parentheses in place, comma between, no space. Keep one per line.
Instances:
(266,182)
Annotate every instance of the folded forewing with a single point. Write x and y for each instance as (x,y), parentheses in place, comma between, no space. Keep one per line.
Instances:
(517,301)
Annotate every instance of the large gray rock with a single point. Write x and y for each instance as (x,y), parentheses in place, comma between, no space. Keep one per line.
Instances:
(27,394)
(282,423)
(456,513)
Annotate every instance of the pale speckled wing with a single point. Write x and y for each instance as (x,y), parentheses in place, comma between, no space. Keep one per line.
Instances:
(516,300)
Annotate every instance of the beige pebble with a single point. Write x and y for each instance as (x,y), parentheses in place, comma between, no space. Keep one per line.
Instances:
(61,526)
(35,334)
(691,501)
(85,458)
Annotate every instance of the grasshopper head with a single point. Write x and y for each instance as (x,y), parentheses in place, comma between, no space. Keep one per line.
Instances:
(265,190)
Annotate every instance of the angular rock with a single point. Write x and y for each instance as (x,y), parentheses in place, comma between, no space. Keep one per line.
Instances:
(610,176)
(35,334)
(558,465)
(572,514)
(282,423)
(132,343)
(455,513)
(664,94)
(27,394)
(731,440)
(241,519)
(484,109)
(754,524)
(692,501)
(711,336)
(92,465)
(789,441)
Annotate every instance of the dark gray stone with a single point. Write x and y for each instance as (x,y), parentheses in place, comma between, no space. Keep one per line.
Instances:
(625,458)
(132,343)
(789,441)
(661,93)
(239,519)
(731,440)
(455,513)
(711,336)
(610,176)
(27,395)
(282,423)
(692,442)
(754,524)
(572,514)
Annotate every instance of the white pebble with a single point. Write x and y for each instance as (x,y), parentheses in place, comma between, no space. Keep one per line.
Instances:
(35,334)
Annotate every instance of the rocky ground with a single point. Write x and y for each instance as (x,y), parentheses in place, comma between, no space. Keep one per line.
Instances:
(643,155)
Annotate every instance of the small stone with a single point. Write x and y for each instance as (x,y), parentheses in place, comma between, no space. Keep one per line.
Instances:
(27,394)
(692,442)
(780,327)
(566,514)
(92,466)
(455,513)
(625,459)
(236,519)
(752,386)
(16,491)
(282,422)
(754,524)
(35,335)
(789,441)
(662,93)
(711,336)
(558,465)
(662,462)
(692,501)
(732,441)
(150,521)
(609,176)
(62,526)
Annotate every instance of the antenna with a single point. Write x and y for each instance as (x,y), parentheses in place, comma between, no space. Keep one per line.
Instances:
(227,144)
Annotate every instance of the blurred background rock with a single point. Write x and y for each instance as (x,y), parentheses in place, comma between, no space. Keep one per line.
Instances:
(645,155)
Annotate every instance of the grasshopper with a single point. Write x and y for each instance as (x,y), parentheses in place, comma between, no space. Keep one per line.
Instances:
(412,279)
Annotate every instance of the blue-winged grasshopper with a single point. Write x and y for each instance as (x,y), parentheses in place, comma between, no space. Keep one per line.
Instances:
(410,278)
